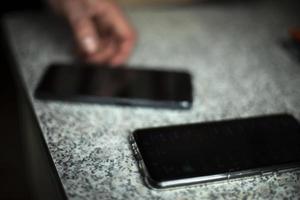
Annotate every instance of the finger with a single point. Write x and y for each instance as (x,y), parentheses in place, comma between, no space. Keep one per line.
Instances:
(105,31)
(109,46)
(104,55)
(118,22)
(126,38)
(123,33)
(124,51)
(83,27)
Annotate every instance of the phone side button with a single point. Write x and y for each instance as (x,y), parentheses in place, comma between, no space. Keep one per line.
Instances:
(141,169)
(137,155)
(287,169)
(267,173)
(135,152)
(228,176)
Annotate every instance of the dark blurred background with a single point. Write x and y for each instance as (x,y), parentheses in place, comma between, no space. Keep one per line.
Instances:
(13,183)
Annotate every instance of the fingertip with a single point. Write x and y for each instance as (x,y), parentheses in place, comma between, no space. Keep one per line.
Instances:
(89,45)
(95,59)
(102,56)
(116,64)
(125,49)
(86,36)
(119,59)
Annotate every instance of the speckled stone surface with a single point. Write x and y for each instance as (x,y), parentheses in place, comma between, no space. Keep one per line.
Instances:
(239,69)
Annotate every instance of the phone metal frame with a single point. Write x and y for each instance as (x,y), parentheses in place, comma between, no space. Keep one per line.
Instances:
(153,184)
(180,105)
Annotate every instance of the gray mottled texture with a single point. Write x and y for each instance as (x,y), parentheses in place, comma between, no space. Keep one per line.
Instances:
(239,69)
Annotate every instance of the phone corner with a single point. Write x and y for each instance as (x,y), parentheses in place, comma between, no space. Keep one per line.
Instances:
(153,184)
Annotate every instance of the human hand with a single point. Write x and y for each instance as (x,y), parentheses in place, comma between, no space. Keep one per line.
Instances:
(100,29)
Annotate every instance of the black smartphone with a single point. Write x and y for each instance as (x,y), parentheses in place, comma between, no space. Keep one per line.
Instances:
(123,86)
(196,153)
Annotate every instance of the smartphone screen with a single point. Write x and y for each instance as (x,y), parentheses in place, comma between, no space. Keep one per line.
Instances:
(187,154)
(126,86)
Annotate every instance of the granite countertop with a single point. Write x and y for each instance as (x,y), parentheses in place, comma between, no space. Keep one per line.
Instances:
(239,69)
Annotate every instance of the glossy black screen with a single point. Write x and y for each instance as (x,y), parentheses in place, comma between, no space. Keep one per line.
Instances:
(195,150)
(119,85)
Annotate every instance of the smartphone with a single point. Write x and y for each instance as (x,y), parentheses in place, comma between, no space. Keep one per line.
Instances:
(121,86)
(197,153)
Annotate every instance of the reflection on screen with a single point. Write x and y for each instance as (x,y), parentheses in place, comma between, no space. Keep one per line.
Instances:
(63,82)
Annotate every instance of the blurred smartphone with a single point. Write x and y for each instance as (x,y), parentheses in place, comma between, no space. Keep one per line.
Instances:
(120,86)
(196,153)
